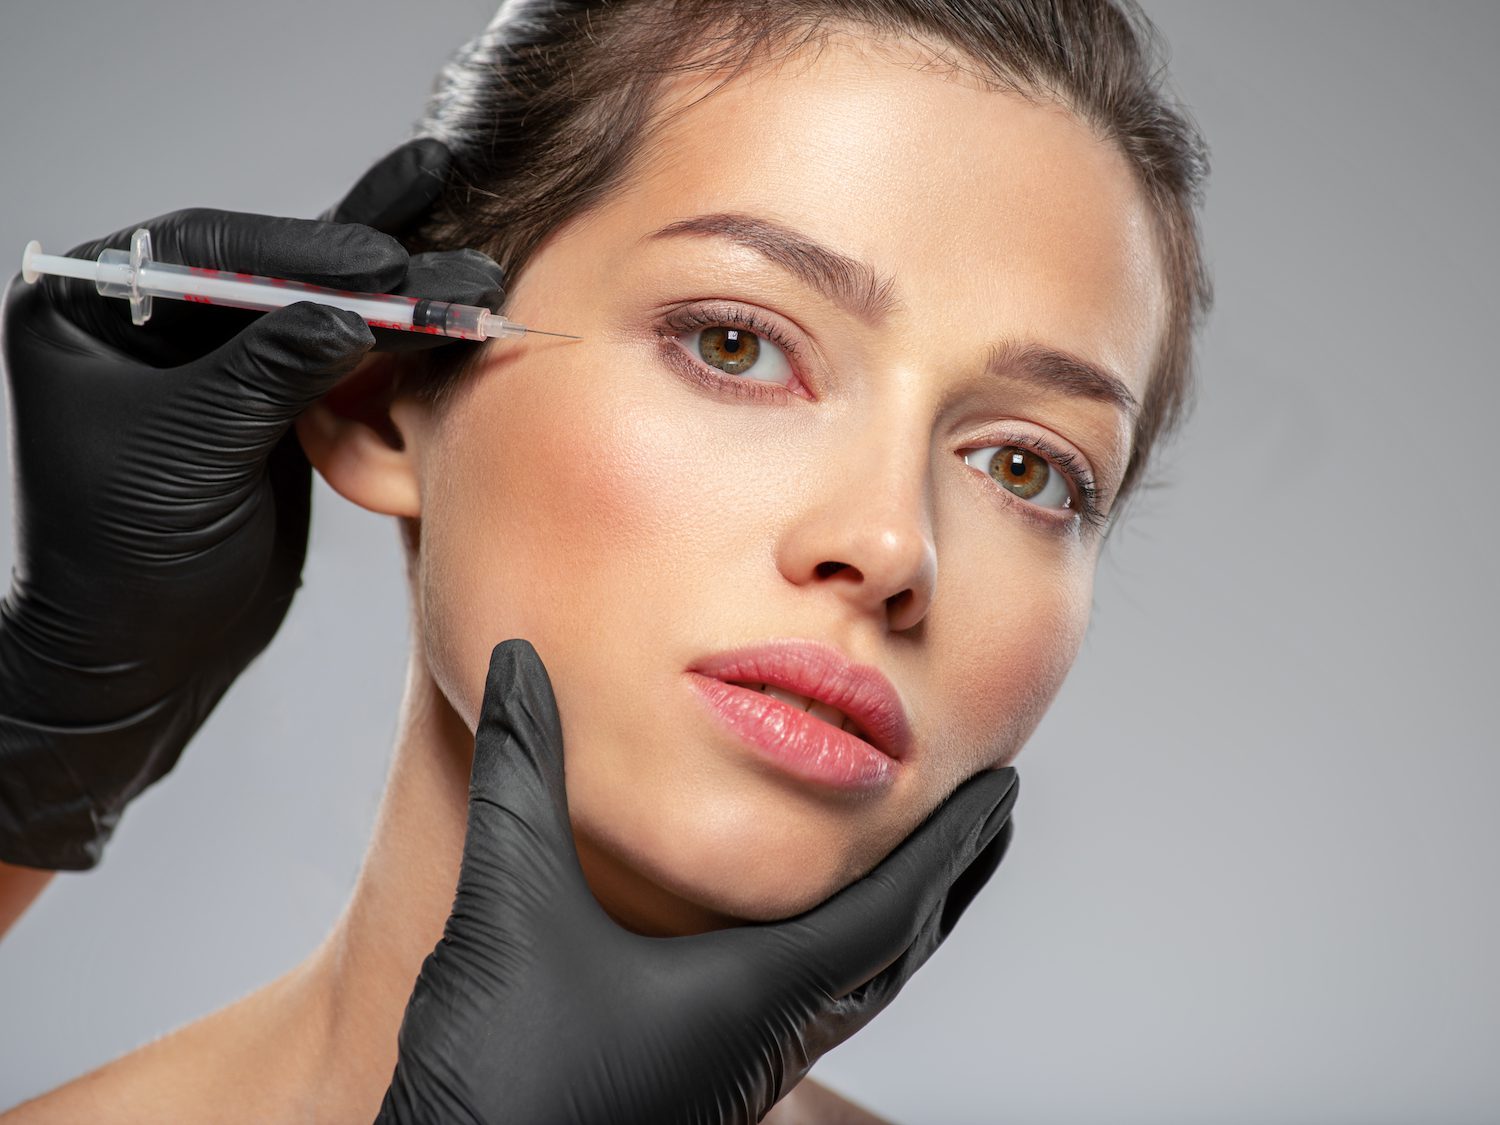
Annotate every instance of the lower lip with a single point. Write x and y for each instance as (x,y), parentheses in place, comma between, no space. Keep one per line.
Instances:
(798,743)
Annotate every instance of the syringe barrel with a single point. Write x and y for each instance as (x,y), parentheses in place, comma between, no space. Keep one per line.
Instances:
(135,276)
(248,291)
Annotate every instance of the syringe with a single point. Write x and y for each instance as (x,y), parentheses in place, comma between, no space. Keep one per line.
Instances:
(133,275)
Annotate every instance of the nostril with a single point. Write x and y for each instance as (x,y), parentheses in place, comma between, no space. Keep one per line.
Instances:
(827,568)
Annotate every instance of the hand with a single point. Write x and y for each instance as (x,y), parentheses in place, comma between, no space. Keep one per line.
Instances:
(161,496)
(537,1006)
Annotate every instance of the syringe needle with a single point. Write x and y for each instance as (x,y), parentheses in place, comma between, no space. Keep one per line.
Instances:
(564,335)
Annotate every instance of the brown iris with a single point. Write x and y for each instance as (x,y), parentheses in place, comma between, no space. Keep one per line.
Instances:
(1020,470)
(731,350)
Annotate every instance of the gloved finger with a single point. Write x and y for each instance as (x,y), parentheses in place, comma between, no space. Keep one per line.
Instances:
(467,276)
(341,255)
(248,392)
(398,188)
(964,888)
(848,1016)
(866,926)
(878,992)
(519,858)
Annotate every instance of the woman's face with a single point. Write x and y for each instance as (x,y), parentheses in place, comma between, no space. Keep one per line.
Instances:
(663,491)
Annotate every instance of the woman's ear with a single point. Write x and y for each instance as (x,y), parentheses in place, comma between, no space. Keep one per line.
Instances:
(351,437)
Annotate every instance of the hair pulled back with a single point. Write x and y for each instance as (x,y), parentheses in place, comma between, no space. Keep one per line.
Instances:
(547,108)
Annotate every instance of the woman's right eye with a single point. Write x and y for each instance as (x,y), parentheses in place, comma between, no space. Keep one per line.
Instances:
(738,351)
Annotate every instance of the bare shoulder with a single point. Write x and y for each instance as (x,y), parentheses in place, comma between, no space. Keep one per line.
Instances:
(211,1069)
(812,1103)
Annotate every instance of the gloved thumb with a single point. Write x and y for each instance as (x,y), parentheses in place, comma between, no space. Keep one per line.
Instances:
(250,389)
(519,859)
(397,189)
(867,927)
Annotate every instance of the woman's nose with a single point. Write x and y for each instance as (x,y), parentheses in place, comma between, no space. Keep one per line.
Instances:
(868,536)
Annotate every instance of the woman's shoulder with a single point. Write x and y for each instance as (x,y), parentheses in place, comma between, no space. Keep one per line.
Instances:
(812,1103)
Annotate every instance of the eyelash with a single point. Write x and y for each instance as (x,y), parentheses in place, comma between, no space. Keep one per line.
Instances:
(730,316)
(1085,492)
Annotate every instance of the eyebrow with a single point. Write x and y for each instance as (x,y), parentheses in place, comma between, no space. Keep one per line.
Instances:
(869,295)
(847,282)
(1060,372)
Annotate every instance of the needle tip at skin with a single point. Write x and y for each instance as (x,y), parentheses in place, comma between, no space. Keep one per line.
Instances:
(564,335)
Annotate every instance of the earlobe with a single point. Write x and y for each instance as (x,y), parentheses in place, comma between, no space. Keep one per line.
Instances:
(351,438)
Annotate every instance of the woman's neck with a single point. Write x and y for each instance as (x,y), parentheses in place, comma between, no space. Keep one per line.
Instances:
(364,972)
(319,1042)
(367,967)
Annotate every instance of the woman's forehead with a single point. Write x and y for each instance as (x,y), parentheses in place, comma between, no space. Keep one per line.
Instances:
(973,202)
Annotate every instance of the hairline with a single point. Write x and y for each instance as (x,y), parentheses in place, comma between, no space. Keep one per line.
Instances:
(782,44)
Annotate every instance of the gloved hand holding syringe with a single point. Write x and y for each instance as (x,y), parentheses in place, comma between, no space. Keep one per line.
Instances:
(134,276)
(161,494)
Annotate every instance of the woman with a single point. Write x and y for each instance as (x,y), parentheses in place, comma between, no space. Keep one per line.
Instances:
(883,306)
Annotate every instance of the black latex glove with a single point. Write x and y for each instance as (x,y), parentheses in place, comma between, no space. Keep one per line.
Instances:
(161,496)
(537,1007)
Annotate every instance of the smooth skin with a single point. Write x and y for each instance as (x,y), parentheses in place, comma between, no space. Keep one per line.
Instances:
(595,499)
(19,888)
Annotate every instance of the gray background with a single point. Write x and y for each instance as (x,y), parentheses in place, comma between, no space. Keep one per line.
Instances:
(1254,872)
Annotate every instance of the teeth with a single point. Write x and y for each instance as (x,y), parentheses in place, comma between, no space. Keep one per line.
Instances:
(790,699)
(818,710)
(830,715)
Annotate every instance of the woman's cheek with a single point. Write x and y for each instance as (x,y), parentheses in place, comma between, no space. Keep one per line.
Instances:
(495,548)
(1006,659)
(558,499)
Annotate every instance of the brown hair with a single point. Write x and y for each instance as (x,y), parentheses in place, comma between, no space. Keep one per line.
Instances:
(547,108)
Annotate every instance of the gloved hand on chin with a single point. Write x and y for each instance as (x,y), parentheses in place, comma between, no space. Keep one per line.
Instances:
(536,1006)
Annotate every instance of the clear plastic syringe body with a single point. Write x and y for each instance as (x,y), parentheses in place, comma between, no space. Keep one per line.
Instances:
(134,276)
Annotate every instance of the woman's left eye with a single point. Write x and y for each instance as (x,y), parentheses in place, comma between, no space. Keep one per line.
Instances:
(735,351)
(1024,473)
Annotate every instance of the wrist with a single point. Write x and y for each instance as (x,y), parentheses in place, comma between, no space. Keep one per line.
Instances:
(63,788)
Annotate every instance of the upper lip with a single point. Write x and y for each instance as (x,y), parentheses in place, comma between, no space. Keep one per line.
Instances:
(821,672)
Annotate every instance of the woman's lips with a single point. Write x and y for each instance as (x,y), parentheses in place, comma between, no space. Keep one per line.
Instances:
(797,742)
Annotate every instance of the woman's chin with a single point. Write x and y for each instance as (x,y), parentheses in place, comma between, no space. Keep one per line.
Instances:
(764,902)
(714,907)
(687,894)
